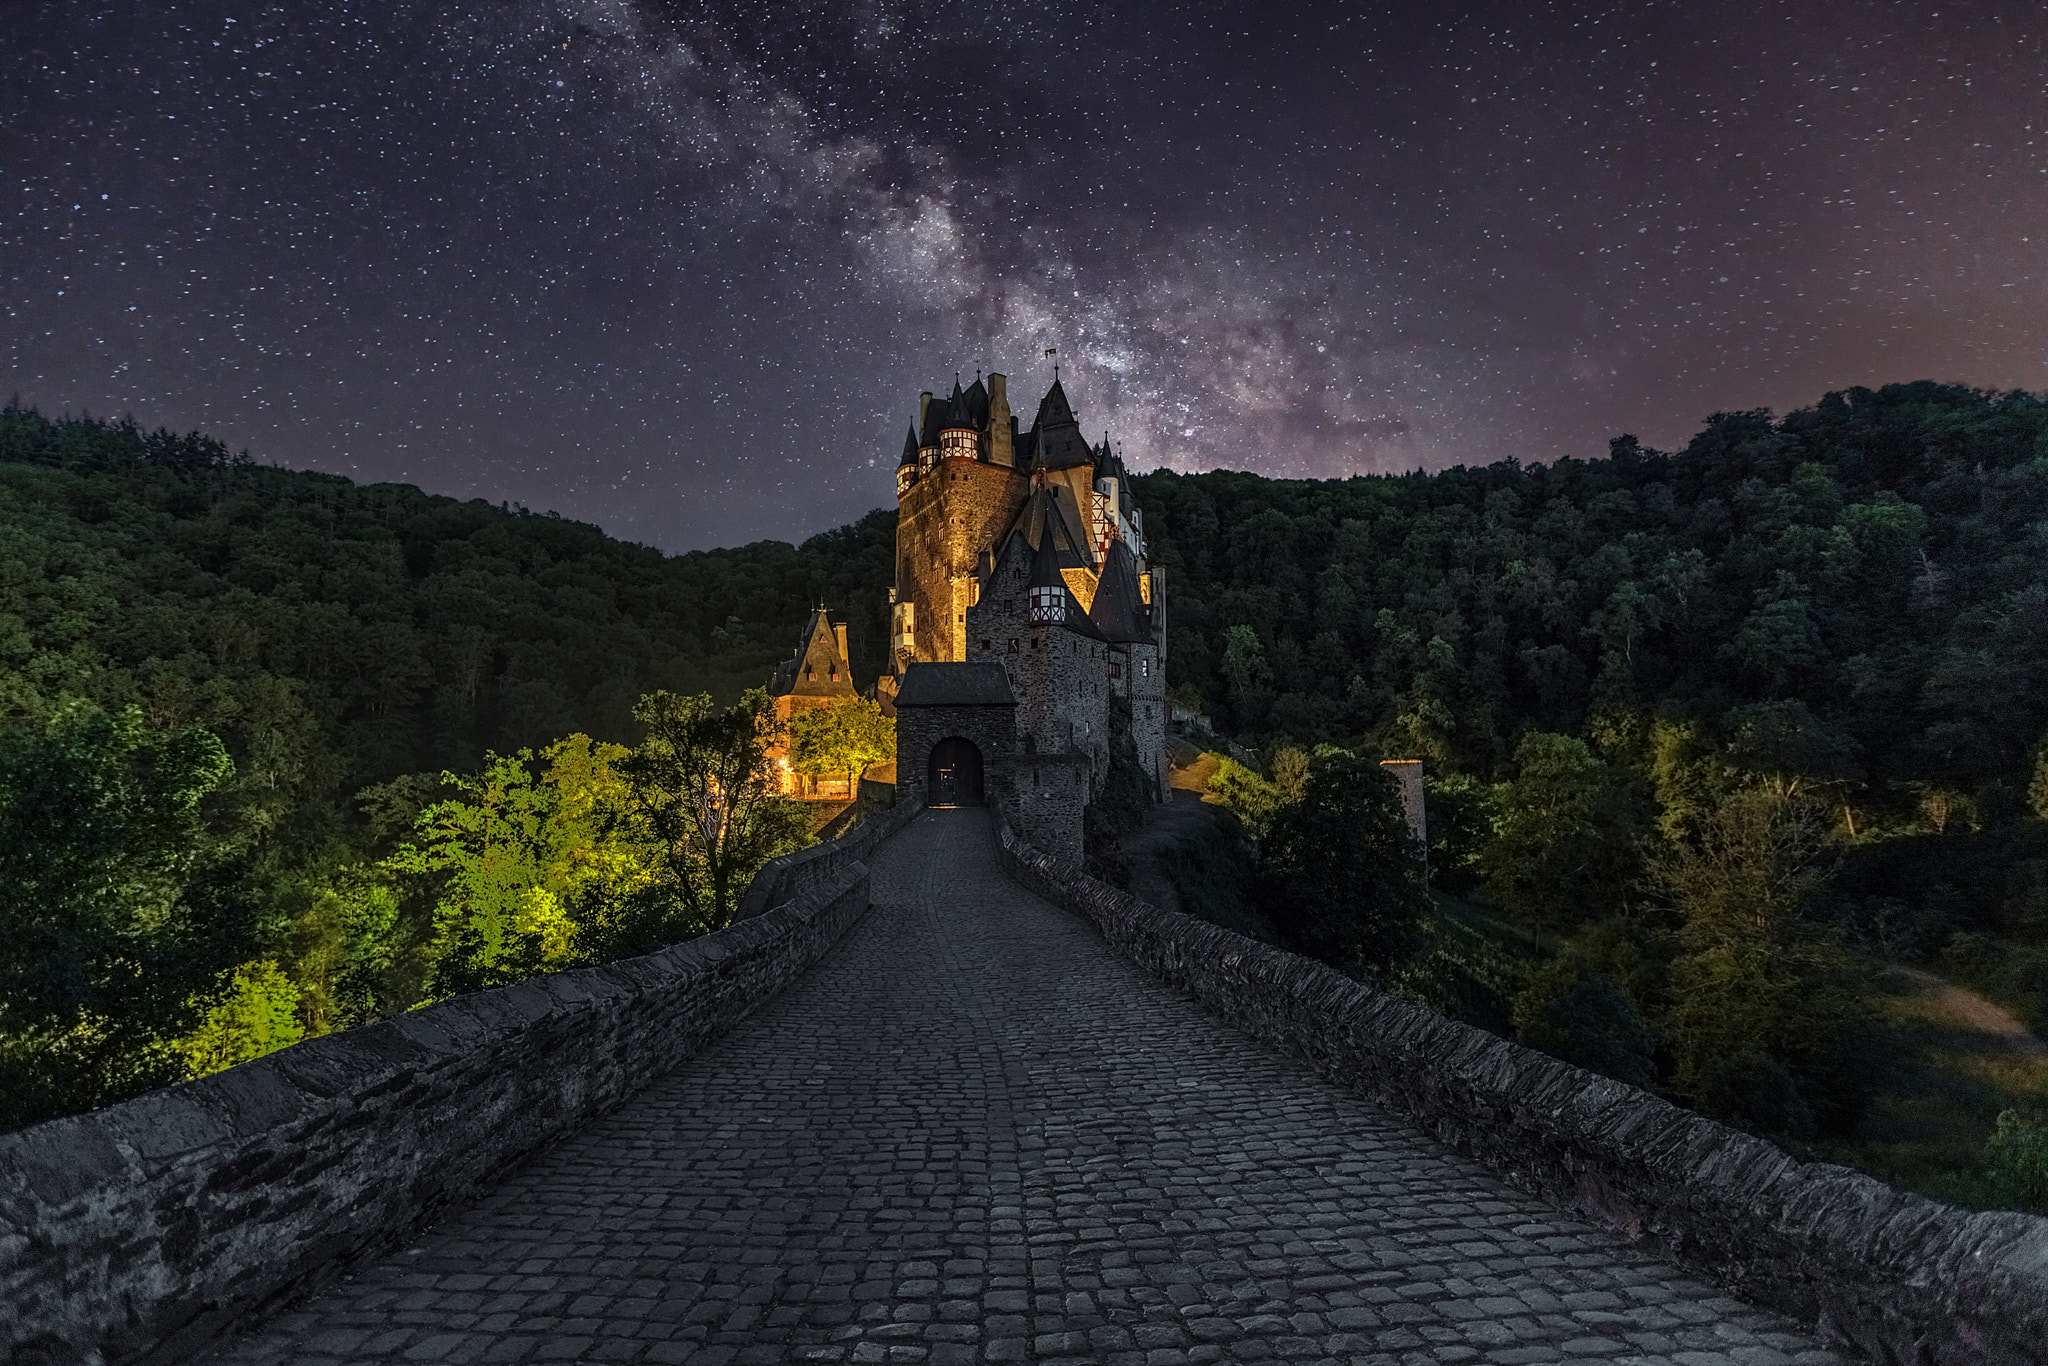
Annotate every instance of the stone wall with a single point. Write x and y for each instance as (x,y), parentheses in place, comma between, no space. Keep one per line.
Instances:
(1046,795)
(142,1231)
(944,521)
(1896,1275)
(794,874)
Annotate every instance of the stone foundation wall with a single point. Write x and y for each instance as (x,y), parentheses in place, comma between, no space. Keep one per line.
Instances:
(140,1232)
(1896,1275)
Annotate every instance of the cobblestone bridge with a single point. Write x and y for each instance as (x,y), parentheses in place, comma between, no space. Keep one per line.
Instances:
(974,1134)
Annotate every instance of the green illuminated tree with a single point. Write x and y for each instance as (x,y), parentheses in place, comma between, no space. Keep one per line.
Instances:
(844,736)
(701,780)
(538,855)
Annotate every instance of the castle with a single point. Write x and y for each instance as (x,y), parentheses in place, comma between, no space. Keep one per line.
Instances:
(1027,629)
(1027,639)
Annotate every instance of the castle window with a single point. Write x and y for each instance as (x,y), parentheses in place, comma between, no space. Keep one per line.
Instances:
(1013,645)
(1144,668)
(1116,668)
(985,646)
(809,673)
(1049,604)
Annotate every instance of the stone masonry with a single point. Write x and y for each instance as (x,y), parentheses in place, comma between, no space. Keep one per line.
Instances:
(974,1134)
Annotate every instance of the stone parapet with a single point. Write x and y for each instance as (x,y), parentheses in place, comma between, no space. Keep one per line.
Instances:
(794,874)
(140,1232)
(1896,1275)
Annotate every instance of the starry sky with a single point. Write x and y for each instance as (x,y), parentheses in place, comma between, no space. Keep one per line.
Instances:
(681,269)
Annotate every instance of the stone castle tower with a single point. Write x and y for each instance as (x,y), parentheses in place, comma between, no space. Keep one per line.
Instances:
(1024,550)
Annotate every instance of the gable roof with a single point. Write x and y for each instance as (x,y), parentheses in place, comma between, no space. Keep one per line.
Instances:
(960,683)
(818,648)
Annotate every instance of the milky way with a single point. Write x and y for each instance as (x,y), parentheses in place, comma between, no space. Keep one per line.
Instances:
(681,271)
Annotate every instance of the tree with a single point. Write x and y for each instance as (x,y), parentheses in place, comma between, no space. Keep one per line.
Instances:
(2037,789)
(118,907)
(1767,1012)
(1345,876)
(701,781)
(844,736)
(2016,1155)
(254,1012)
(1561,849)
(538,855)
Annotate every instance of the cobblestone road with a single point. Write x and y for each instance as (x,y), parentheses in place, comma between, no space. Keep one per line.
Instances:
(972,1134)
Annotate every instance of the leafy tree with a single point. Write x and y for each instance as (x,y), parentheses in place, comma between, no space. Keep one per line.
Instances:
(1562,845)
(2037,789)
(844,736)
(1766,1016)
(1586,1005)
(118,907)
(344,945)
(1247,794)
(1344,876)
(537,854)
(254,1012)
(701,781)
(2016,1155)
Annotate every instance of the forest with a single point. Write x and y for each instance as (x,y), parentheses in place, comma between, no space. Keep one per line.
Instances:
(264,733)
(1720,741)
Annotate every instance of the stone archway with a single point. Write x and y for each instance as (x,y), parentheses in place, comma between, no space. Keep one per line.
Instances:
(953,775)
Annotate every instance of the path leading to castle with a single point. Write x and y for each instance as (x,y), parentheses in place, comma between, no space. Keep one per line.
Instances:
(974,1134)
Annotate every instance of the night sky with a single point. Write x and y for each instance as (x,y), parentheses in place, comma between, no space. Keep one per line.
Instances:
(681,270)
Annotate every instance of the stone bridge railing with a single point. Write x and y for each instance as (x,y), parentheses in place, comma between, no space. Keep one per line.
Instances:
(1899,1276)
(137,1232)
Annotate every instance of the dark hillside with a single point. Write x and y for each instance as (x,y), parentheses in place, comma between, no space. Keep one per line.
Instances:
(337,636)
(1724,731)
(1879,560)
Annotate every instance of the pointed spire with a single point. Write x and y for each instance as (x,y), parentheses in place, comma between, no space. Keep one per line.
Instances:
(909,447)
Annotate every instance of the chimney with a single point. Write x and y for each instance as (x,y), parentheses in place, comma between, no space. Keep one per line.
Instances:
(1002,427)
(839,630)
(924,403)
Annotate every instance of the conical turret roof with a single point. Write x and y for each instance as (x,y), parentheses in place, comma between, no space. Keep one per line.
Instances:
(1119,610)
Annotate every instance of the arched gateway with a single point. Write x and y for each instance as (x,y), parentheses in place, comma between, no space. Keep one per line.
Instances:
(954,778)
(956,733)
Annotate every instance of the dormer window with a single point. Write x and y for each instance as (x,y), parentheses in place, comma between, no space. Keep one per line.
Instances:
(1049,605)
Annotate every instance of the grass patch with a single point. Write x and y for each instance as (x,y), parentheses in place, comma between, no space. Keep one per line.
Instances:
(1945,1083)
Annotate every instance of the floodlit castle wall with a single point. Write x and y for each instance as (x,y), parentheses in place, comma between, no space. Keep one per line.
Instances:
(946,518)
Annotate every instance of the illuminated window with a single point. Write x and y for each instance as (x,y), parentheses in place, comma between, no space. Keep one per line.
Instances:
(1049,604)
(1144,668)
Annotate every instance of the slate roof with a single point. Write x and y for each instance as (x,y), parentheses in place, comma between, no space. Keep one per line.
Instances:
(819,647)
(962,683)
(909,446)
(1043,518)
(1119,610)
